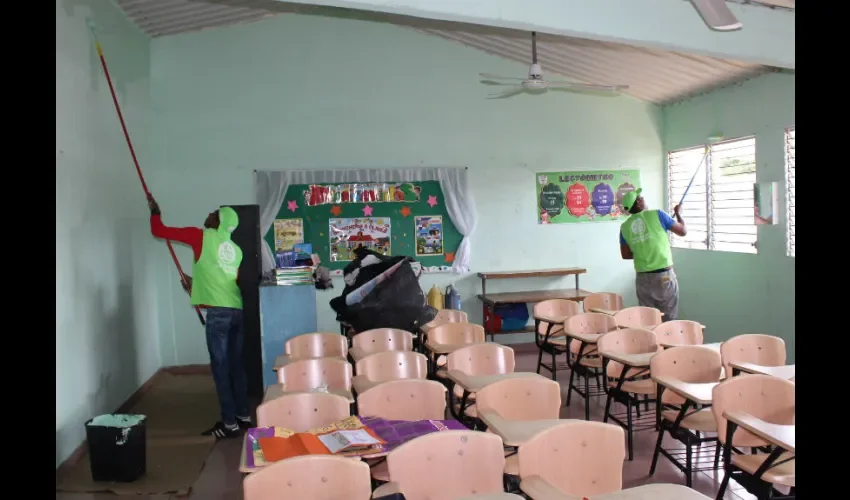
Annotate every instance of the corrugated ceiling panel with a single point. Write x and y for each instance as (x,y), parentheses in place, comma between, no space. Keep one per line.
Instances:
(655,76)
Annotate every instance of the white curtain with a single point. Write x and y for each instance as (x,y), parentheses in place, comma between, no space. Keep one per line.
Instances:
(271,189)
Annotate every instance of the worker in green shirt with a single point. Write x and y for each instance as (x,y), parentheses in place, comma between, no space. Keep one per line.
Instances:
(643,238)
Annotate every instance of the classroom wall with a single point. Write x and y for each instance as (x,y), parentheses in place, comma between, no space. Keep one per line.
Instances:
(736,293)
(299,91)
(107,340)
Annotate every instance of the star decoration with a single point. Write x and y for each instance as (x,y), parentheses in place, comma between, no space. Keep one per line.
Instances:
(367,211)
(405,211)
(292,205)
(432,200)
(450,257)
(336,210)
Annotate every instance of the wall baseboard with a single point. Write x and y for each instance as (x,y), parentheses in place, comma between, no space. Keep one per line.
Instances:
(134,398)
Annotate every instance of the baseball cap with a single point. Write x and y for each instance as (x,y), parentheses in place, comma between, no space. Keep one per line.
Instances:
(630,198)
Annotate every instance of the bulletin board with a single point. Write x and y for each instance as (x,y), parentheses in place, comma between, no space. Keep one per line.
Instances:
(583,196)
(389,227)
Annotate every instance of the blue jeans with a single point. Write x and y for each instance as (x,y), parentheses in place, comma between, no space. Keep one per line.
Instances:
(224,342)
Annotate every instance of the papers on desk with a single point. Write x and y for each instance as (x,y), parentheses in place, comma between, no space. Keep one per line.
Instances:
(340,442)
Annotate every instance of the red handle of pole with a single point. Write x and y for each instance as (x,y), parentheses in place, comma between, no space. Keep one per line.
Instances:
(136,163)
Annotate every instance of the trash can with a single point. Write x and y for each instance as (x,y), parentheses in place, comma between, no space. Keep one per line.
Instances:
(117,447)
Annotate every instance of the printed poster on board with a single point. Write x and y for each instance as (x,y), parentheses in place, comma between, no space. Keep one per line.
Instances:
(429,235)
(287,233)
(583,196)
(372,233)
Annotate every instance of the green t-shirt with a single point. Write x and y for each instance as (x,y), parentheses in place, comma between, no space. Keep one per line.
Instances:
(215,272)
(648,241)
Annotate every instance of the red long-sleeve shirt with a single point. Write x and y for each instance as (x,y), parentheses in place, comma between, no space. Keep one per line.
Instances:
(192,236)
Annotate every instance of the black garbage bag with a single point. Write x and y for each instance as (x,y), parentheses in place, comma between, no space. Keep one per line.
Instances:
(396,301)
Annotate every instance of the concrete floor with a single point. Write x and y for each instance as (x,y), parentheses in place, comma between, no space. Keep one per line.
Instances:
(221,480)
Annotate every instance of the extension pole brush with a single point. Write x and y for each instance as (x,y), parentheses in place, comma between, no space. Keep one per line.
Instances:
(133,153)
(711,140)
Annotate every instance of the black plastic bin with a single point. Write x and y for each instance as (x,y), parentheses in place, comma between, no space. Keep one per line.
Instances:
(117,447)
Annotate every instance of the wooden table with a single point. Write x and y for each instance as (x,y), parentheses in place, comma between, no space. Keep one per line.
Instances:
(786,372)
(515,432)
(539,489)
(490,301)
(276,390)
(695,393)
(782,436)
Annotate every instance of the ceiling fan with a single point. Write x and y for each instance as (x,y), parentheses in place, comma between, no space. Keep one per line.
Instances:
(535,84)
(717,15)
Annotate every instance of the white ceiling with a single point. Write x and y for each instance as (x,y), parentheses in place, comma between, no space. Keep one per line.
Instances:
(655,76)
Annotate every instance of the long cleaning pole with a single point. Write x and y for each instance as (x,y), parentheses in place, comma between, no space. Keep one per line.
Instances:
(693,177)
(135,160)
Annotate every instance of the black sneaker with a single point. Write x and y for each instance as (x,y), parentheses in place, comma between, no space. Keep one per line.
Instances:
(244,423)
(221,432)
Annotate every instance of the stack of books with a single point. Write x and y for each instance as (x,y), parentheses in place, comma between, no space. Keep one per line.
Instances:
(294,276)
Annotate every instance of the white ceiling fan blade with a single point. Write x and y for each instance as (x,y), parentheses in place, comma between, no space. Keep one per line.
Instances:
(560,85)
(492,82)
(491,76)
(717,15)
(509,93)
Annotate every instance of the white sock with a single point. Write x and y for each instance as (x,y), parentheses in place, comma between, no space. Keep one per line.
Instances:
(231,427)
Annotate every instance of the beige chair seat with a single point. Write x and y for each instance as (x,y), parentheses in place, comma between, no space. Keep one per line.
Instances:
(512,463)
(782,474)
(594,362)
(361,384)
(458,390)
(702,421)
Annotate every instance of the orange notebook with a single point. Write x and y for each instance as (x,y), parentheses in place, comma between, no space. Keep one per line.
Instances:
(341,442)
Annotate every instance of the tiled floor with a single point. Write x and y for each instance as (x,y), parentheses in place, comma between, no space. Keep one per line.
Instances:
(221,480)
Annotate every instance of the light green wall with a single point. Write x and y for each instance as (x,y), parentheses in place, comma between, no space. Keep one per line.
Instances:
(312,92)
(737,293)
(107,342)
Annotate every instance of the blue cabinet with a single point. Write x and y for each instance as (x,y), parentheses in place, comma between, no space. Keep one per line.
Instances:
(285,311)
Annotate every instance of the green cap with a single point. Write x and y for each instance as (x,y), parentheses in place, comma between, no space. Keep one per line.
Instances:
(630,198)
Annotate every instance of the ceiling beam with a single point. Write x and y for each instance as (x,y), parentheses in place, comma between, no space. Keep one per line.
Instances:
(767,37)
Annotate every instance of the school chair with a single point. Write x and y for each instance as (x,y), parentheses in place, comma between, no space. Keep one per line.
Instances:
(628,384)
(680,331)
(756,348)
(603,300)
(450,335)
(639,317)
(445,466)
(303,411)
(771,400)
(319,477)
(583,358)
(443,316)
(390,365)
(312,345)
(317,374)
(549,317)
(685,421)
(577,458)
(380,340)
(476,360)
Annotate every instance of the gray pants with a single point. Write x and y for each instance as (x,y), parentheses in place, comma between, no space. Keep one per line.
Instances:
(659,290)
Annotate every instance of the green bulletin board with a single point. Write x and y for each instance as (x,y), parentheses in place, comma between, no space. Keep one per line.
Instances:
(583,196)
(401,215)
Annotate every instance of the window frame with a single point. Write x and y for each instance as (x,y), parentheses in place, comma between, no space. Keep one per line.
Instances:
(707,174)
(790,191)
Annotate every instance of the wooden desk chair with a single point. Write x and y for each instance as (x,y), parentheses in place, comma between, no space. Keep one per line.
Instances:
(627,385)
(380,340)
(603,300)
(446,466)
(767,398)
(639,317)
(452,334)
(409,399)
(320,477)
(584,360)
(390,365)
(313,345)
(681,419)
(578,458)
(756,348)
(443,316)
(680,331)
(306,375)
(303,411)
(548,331)
(476,360)
(529,398)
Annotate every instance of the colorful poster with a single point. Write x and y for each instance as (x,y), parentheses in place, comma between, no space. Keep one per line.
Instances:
(375,192)
(583,196)
(372,233)
(429,235)
(287,233)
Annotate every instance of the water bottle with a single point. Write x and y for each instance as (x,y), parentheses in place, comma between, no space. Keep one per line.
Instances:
(435,298)
(452,298)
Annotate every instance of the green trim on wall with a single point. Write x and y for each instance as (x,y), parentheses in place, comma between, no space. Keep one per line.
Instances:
(401,228)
